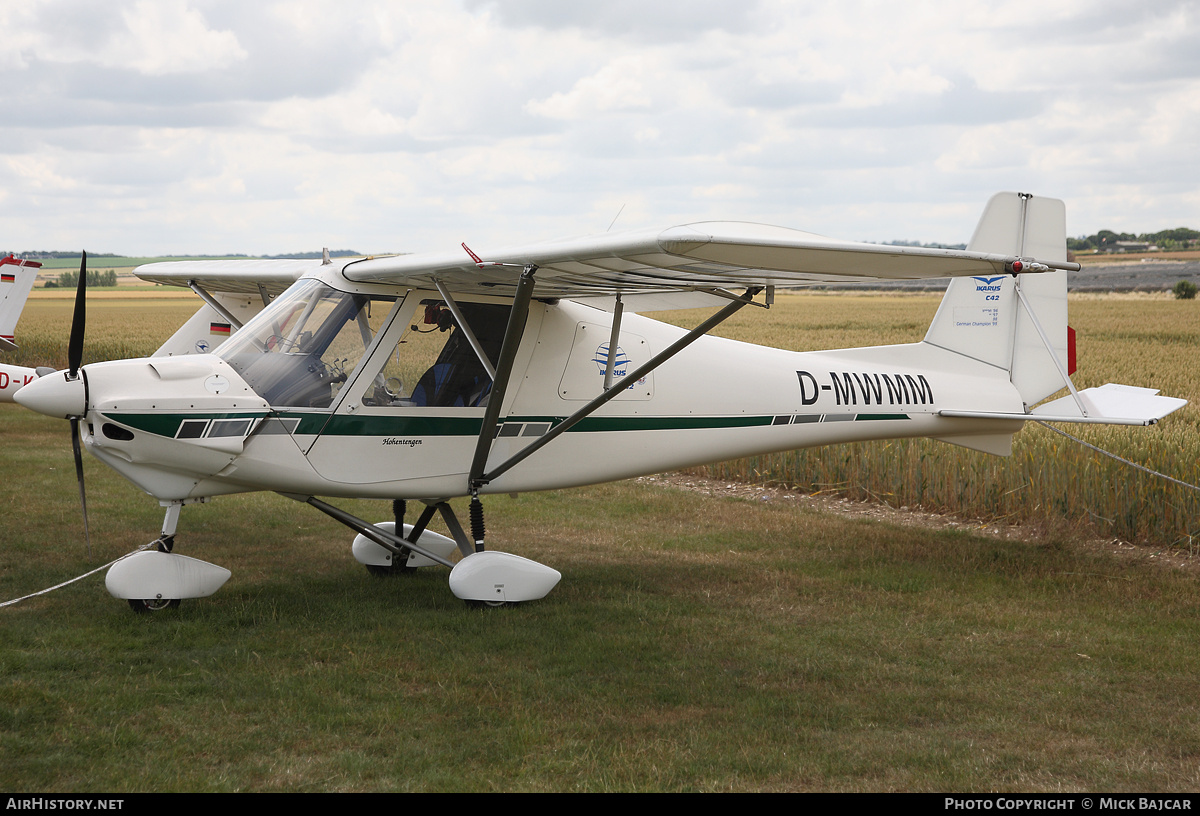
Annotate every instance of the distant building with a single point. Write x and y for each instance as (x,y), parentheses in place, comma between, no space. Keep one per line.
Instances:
(1129,246)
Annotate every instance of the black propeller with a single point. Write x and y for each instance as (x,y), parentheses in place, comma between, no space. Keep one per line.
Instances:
(74,358)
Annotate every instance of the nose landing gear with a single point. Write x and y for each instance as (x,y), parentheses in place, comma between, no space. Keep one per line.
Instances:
(154,580)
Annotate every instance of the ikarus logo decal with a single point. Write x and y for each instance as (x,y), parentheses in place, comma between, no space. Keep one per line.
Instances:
(620,362)
(583,377)
(982,310)
(989,286)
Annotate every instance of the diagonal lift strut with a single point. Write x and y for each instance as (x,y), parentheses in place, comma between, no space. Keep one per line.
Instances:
(478,478)
(517,319)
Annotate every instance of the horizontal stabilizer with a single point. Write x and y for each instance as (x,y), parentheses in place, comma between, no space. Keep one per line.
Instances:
(1109,404)
(1125,402)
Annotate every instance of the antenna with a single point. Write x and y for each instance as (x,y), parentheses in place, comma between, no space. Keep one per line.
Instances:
(615,217)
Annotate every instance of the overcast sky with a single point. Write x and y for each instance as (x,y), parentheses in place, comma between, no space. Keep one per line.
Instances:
(188,126)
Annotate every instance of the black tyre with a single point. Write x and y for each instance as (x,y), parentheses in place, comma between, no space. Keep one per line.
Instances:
(143,605)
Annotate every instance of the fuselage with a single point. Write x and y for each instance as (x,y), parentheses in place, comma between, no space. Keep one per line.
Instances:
(364,394)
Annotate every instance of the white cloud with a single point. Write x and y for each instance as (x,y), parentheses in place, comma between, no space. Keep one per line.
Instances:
(619,86)
(39,174)
(170,38)
(229,126)
(151,37)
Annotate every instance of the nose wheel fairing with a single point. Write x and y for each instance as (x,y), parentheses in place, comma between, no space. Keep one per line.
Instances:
(163,577)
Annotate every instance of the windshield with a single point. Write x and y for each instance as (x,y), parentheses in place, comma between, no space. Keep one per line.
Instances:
(300,350)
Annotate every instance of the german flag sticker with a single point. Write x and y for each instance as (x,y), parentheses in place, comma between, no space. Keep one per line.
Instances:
(219,328)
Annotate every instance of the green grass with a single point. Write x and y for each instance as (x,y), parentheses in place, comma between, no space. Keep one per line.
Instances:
(695,643)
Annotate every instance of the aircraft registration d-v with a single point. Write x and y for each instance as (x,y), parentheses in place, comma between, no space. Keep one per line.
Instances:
(16,280)
(436,376)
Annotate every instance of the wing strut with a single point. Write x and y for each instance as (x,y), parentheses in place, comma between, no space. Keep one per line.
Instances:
(508,353)
(216,306)
(606,395)
(465,328)
(612,343)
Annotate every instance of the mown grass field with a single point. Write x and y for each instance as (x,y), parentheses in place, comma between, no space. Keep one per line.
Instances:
(695,643)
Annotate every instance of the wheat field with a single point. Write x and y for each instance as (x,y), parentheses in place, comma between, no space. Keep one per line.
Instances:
(1131,339)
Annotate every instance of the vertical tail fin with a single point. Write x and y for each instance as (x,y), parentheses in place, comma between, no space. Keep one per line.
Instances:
(16,280)
(984,317)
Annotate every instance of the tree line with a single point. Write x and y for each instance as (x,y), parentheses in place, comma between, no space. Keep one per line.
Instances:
(69,279)
(1171,239)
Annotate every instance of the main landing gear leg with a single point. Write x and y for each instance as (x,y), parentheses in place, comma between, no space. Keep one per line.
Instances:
(401,559)
(465,546)
(383,536)
(478,532)
(485,577)
(397,562)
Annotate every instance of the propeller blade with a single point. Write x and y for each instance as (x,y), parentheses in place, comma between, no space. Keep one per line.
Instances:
(75,345)
(79,475)
(74,359)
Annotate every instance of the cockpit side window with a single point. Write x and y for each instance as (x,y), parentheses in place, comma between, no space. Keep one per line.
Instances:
(433,365)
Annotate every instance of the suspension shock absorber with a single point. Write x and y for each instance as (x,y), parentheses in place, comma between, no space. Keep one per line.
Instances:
(477,527)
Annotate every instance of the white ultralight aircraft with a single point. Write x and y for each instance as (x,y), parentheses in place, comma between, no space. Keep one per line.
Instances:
(434,376)
(16,281)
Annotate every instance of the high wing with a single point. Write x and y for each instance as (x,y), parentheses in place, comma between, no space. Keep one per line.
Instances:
(695,257)
(248,277)
(233,291)
(691,258)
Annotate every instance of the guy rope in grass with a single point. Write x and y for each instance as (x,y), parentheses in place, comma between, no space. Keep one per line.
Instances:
(48,590)
(1142,468)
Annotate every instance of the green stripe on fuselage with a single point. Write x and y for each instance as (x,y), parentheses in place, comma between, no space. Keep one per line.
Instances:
(167,424)
(469,426)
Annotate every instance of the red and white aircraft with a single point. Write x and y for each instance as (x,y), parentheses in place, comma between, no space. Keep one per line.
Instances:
(16,281)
